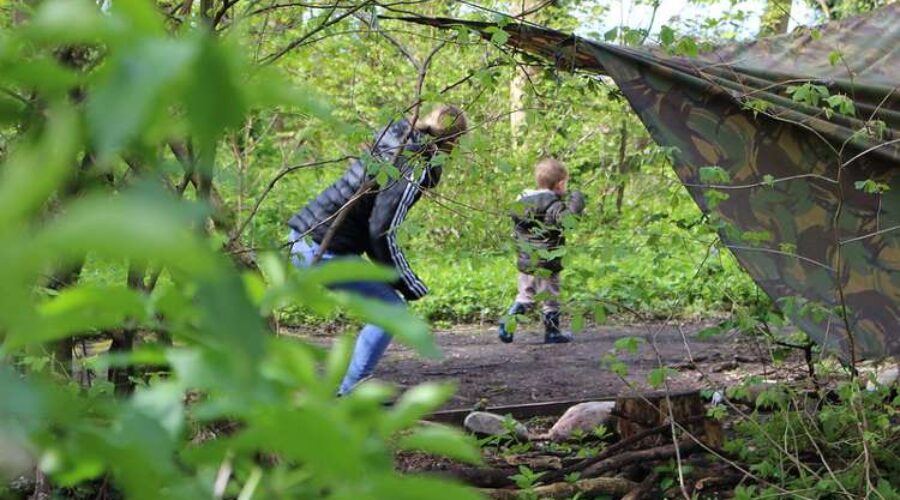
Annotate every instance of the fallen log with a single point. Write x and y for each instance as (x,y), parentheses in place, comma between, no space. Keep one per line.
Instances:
(616,448)
(613,486)
(719,482)
(645,489)
(683,447)
(479,477)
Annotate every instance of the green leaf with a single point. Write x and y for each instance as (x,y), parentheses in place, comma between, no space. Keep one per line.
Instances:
(214,98)
(313,435)
(164,403)
(462,34)
(145,224)
(82,309)
(610,36)
(666,36)
(842,104)
(443,441)
(336,362)
(834,57)
(687,47)
(143,19)
(629,344)
(710,332)
(715,197)
(415,404)
(714,175)
(33,172)
(498,35)
(11,109)
(633,37)
(132,88)
(420,488)
(578,323)
(395,319)
(871,186)
(599,314)
(68,22)
(657,377)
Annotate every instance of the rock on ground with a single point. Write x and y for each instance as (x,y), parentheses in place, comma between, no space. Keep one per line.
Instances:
(582,417)
(885,377)
(491,424)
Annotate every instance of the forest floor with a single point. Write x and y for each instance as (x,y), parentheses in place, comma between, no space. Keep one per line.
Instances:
(488,372)
(528,371)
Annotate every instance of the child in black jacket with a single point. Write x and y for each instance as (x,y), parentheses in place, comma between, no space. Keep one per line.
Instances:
(539,218)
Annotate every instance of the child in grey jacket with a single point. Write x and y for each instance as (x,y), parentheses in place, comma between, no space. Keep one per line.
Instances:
(539,234)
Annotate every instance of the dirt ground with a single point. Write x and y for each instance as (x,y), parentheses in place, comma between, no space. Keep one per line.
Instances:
(528,371)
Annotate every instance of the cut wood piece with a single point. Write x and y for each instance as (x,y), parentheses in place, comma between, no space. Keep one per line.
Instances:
(636,413)
(613,486)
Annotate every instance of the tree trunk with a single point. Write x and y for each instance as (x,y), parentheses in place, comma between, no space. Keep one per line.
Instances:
(620,188)
(520,81)
(62,349)
(775,18)
(123,339)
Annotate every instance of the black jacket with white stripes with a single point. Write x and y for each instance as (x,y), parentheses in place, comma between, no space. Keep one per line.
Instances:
(370,226)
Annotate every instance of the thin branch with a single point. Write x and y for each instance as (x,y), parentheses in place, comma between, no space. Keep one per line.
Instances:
(733,187)
(281,174)
(226,5)
(870,235)
(403,50)
(325,24)
(779,252)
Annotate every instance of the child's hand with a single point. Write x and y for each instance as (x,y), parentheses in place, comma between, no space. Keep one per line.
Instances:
(576,202)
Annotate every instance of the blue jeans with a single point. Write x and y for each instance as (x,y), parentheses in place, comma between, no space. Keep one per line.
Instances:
(372,340)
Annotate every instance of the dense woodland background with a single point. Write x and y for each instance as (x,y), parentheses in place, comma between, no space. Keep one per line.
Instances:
(152,153)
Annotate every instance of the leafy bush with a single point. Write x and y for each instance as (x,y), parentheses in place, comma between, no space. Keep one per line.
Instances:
(215,404)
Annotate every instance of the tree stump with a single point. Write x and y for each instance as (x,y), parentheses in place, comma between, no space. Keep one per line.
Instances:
(638,412)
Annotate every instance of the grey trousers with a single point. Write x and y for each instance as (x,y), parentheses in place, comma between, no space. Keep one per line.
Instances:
(546,288)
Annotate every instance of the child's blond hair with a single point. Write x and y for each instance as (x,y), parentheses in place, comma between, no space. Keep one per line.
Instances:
(549,172)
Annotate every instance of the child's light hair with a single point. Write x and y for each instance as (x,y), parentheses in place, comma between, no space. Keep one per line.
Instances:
(549,172)
(445,122)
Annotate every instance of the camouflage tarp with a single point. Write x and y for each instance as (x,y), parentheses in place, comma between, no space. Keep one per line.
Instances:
(800,215)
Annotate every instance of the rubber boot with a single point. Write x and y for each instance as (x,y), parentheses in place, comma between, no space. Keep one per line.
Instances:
(552,334)
(517,308)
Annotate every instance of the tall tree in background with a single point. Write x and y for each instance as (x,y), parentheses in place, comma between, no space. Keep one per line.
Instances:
(775,17)
(523,74)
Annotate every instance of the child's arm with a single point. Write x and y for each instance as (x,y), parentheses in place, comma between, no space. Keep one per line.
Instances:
(559,210)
